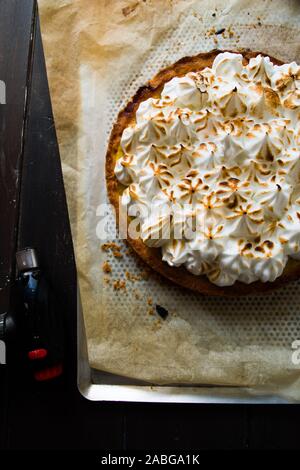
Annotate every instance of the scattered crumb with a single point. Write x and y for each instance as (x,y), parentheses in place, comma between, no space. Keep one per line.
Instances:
(231,33)
(133,277)
(222,31)
(110,247)
(211,32)
(106,268)
(118,285)
(151,312)
(105,247)
(157,325)
(150,301)
(196,15)
(214,15)
(130,9)
(107,280)
(129,276)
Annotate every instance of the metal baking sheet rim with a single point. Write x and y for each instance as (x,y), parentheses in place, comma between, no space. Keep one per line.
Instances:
(95,386)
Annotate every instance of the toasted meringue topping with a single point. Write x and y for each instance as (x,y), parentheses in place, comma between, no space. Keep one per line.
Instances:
(222,147)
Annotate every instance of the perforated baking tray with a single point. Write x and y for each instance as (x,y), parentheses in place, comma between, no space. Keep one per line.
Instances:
(99,386)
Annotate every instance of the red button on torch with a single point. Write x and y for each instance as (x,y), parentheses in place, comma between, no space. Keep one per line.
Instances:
(37,354)
(49,374)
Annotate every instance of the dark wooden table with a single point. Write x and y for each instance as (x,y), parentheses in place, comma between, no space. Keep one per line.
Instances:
(33,212)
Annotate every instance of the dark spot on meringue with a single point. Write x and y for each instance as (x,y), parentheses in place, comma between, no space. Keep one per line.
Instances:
(269,244)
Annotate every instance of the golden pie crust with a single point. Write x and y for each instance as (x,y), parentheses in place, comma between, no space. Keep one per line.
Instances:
(152,256)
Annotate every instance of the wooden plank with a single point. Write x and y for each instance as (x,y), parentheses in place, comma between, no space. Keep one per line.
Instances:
(16,20)
(274,427)
(16,23)
(184,427)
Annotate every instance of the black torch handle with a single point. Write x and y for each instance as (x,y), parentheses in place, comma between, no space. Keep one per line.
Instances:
(42,325)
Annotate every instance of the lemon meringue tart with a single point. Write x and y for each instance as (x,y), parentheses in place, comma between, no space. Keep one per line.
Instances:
(211,146)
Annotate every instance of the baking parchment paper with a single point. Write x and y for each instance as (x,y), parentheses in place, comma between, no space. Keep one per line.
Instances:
(98,53)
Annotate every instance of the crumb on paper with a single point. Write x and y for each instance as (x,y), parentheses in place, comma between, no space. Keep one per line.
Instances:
(157,325)
(230,31)
(130,9)
(197,16)
(136,277)
(120,285)
(211,32)
(106,267)
(110,247)
(106,247)
(130,277)
(151,312)
(225,33)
